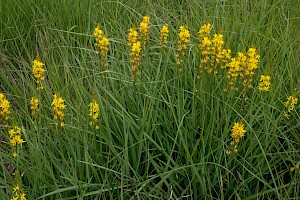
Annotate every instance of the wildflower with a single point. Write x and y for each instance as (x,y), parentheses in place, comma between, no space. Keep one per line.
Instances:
(163,36)
(290,105)
(4,107)
(34,106)
(58,108)
(144,28)
(205,49)
(102,43)
(18,191)
(135,57)
(204,31)
(250,67)
(184,40)
(15,136)
(38,72)
(264,84)
(238,131)
(14,154)
(132,36)
(94,113)
(217,46)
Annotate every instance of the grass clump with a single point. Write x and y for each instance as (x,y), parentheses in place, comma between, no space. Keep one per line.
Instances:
(199,101)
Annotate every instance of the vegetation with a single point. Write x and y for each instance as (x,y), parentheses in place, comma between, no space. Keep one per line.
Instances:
(149,100)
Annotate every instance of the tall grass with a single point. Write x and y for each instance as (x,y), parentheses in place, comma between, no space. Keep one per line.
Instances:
(166,136)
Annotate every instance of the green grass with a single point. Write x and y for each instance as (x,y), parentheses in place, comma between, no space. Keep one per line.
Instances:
(159,139)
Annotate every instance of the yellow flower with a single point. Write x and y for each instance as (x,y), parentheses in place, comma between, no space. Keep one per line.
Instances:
(163,36)
(58,108)
(38,72)
(217,46)
(102,43)
(144,28)
(34,106)
(238,131)
(14,154)
(94,113)
(204,31)
(250,66)
(132,36)
(184,40)
(135,57)
(4,107)
(264,84)
(290,105)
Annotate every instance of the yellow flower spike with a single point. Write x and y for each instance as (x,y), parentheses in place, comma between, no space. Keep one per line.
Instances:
(58,108)
(102,43)
(144,29)
(94,113)
(163,36)
(250,66)
(238,131)
(4,107)
(290,105)
(204,31)
(135,56)
(34,106)
(264,84)
(132,36)
(38,71)
(184,40)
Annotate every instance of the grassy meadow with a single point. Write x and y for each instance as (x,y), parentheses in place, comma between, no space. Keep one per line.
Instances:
(150,121)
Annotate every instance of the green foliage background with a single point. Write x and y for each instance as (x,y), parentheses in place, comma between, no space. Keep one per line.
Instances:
(166,138)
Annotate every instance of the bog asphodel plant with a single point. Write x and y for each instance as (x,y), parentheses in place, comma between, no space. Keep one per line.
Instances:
(290,105)
(264,83)
(237,133)
(132,36)
(144,29)
(164,32)
(58,108)
(94,113)
(38,71)
(34,106)
(184,40)
(135,58)
(4,107)
(250,67)
(15,139)
(102,43)
(18,190)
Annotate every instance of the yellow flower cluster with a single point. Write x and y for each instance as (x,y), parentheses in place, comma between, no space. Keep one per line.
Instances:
(144,28)
(34,106)
(102,43)
(243,66)
(58,108)
(132,36)
(18,191)
(38,72)
(264,84)
(94,113)
(15,136)
(290,105)
(212,50)
(238,131)
(163,36)
(250,67)
(204,31)
(235,67)
(4,107)
(184,40)
(135,58)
